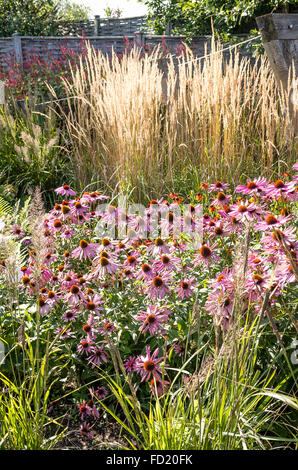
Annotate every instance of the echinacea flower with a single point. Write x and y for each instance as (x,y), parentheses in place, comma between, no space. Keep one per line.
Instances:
(130,364)
(280,189)
(221,199)
(104,266)
(107,328)
(69,315)
(159,387)
(75,295)
(218,186)
(271,222)
(179,348)
(153,319)
(158,287)
(101,392)
(146,272)
(85,250)
(97,357)
(220,305)
(166,263)
(44,306)
(65,190)
(185,288)
(85,347)
(206,255)
(85,431)
(17,231)
(256,186)
(243,210)
(63,333)
(84,410)
(148,365)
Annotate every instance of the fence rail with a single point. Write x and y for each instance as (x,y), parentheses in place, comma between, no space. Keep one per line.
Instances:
(103,26)
(21,49)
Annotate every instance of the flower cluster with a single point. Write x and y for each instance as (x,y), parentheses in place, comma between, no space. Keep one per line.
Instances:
(137,292)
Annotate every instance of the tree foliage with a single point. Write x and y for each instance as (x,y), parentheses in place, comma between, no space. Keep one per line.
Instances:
(196,17)
(36,17)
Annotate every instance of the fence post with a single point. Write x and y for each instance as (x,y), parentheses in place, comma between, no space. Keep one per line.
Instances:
(138,40)
(280,39)
(168,29)
(97,25)
(2,92)
(17,44)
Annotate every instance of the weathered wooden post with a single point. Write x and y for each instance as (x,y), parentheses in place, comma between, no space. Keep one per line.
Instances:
(139,40)
(17,44)
(96,25)
(2,92)
(280,38)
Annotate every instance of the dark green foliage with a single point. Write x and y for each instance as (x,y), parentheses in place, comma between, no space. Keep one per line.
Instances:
(195,17)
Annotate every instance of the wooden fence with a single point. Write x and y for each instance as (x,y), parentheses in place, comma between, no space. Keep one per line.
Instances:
(21,49)
(103,26)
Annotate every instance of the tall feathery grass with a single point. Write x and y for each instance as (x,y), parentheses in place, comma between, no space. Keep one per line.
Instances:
(148,123)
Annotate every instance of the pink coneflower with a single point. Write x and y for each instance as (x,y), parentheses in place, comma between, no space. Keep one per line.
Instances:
(131,260)
(159,387)
(69,315)
(149,365)
(110,215)
(275,239)
(243,210)
(153,319)
(97,357)
(45,274)
(256,186)
(17,231)
(85,347)
(89,198)
(158,287)
(206,255)
(49,258)
(271,222)
(67,234)
(84,410)
(280,189)
(218,186)
(220,305)
(44,306)
(185,288)
(101,392)
(65,191)
(104,266)
(52,297)
(159,247)
(130,364)
(166,263)
(286,274)
(88,328)
(56,225)
(107,328)
(219,230)
(179,348)
(75,295)
(86,431)
(78,209)
(63,333)
(93,304)
(221,200)
(146,272)
(85,250)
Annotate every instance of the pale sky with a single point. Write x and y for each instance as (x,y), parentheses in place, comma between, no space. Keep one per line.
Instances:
(129,7)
